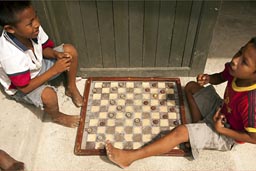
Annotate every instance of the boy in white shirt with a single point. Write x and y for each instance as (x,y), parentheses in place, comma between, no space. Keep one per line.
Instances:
(28,61)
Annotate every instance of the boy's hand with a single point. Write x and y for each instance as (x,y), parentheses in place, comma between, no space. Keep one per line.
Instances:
(60,55)
(219,120)
(62,65)
(203,79)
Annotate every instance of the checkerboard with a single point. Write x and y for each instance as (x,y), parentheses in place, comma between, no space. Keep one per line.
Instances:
(129,112)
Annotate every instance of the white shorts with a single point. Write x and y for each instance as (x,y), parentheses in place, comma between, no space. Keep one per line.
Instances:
(202,134)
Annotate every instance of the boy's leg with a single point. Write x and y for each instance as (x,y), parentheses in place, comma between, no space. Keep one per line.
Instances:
(124,158)
(50,101)
(9,163)
(190,89)
(71,88)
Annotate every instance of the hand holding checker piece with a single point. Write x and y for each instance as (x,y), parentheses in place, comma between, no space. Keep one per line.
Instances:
(130,112)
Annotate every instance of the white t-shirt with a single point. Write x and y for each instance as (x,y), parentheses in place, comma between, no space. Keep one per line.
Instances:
(18,64)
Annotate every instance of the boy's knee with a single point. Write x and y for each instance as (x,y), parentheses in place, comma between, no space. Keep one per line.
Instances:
(181,132)
(70,49)
(189,86)
(47,94)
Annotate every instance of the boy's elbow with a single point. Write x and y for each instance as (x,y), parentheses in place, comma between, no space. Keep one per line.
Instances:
(253,138)
(24,89)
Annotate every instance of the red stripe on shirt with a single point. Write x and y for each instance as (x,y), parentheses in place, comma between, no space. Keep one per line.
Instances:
(20,79)
(49,43)
(252,109)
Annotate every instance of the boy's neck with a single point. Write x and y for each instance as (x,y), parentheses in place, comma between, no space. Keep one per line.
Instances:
(26,42)
(244,83)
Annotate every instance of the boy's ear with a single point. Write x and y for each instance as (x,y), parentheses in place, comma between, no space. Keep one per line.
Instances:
(9,29)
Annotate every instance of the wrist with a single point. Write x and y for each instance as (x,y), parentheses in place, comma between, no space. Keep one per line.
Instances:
(55,54)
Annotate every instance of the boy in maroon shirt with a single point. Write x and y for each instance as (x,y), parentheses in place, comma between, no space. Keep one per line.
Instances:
(216,124)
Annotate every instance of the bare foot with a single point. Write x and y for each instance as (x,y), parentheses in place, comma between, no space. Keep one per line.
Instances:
(71,121)
(77,99)
(118,156)
(18,166)
(10,164)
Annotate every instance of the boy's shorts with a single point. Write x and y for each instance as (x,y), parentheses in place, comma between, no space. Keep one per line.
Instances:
(34,97)
(202,134)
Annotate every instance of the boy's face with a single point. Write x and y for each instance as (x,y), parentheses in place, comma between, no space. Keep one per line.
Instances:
(28,24)
(243,65)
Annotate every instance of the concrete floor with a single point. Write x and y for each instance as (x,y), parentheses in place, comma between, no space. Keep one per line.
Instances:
(43,145)
(54,143)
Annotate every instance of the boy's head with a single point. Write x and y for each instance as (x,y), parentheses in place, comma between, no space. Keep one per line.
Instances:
(20,19)
(9,11)
(243,64)
(253,41)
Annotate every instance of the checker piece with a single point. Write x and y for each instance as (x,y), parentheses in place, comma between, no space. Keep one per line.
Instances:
(128,114)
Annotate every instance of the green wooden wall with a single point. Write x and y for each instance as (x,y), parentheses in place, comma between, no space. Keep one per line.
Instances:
(133,38)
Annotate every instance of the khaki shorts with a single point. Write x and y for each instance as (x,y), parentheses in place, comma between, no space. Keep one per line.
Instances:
(202,134)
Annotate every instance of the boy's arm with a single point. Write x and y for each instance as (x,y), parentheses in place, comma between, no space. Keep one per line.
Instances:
(214,79)
(238,135)
(51,53)
(60,66)
(218,119)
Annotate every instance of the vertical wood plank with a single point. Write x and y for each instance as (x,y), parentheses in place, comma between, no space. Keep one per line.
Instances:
(150,33)
(105,17)
(79,40)
(194,20)
(179,33)
(136,21)
(91,31)
(166,20)
(60,12)
(121,28)
(204,35)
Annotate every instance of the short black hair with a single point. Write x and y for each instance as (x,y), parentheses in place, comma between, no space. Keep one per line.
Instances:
(253,41)
(9,10)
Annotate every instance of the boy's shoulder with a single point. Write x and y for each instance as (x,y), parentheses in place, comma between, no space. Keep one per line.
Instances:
(7,45)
